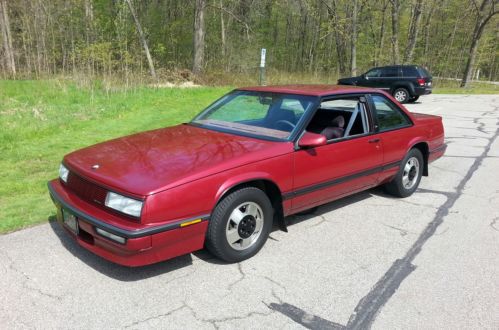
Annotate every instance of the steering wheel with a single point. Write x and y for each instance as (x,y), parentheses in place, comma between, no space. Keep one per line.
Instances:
(284,122)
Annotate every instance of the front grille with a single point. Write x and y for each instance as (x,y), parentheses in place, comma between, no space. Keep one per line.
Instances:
(86,190)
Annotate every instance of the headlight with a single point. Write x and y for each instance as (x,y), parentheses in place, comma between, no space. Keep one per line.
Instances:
(63,173)
(124,204)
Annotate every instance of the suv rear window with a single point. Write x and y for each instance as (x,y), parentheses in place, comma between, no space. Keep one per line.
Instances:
(423,72)
(410,71)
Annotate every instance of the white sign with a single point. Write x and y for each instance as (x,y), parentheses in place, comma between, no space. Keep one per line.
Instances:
(262,58)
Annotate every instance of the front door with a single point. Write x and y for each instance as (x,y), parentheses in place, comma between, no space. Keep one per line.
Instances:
(350,162)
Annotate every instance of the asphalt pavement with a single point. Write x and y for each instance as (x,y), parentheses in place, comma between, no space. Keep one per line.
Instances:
(365,261)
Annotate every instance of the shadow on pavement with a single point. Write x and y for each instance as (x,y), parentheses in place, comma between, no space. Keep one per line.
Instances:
(332,206)
(128,274)
(118,272)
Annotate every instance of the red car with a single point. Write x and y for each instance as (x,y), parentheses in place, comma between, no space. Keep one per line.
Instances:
(254,156)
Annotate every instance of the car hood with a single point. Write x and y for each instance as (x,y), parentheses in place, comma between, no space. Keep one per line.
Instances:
(153,161)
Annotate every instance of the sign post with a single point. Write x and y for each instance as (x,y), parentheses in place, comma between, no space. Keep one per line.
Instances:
(262,66)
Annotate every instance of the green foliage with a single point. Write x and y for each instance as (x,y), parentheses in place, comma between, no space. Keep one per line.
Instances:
(98,37)
(41,121)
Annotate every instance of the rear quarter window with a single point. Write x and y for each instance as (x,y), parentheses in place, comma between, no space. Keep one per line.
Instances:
(423,72)
(388,115)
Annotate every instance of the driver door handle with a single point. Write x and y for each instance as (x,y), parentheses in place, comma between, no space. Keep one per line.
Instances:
(375,140)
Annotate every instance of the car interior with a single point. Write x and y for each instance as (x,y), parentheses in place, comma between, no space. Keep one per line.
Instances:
(338,119)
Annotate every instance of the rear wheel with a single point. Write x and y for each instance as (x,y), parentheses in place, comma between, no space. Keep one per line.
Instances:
(413,99)
(409,175)
(401,95)
(240,225)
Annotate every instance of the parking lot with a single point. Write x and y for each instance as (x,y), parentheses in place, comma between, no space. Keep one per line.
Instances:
(368,260)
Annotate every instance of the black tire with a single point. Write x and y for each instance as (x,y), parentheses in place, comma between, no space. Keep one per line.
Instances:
(413,99)
(401,94)
(217,234)
(400,188)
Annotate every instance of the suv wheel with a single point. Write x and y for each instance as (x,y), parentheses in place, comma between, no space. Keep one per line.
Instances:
(401,95)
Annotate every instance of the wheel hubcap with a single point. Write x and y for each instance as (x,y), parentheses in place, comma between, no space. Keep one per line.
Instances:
(244,226)
(411,173)
(400,96)
(247,226)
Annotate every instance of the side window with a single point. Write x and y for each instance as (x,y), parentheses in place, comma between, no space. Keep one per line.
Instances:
(373,73)
(388,114)
(340,118)
(410,71)
(390,72)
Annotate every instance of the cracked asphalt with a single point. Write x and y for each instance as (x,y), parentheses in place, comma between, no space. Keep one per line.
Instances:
(365,261)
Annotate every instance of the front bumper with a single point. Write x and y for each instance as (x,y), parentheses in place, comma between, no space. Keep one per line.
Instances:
(144,244)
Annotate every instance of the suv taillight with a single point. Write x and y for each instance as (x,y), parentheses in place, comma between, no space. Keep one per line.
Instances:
(421,81)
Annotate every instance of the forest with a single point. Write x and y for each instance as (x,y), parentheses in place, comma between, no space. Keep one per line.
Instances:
(213,41)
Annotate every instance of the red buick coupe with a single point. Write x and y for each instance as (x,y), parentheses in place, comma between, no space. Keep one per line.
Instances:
(253,157)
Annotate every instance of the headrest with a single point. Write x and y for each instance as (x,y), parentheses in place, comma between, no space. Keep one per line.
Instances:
(338,122)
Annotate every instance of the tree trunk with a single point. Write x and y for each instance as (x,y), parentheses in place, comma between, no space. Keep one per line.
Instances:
(395,31)
(413,33)
(485,13)
(427,29)
(334,25)
(222,29)
(199,32)
(10,63)
(380,48)
(353,40)
(142,39)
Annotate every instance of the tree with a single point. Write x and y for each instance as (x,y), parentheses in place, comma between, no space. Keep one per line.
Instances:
(395,31)
(142,38)
(413,31)
(483,15)
(199,33)
(10,63)
(353,41)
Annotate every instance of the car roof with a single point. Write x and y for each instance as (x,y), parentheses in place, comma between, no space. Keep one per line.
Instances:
(312,90)
(396,66)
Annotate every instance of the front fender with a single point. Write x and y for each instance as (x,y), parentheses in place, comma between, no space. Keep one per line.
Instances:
(242,179)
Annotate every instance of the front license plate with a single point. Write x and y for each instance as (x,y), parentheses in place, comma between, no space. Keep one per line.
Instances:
(70,220)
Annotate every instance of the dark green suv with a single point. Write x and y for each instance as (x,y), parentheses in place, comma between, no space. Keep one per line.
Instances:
(405,82)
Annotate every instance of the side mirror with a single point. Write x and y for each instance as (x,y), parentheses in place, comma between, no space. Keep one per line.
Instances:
(312,140)
(364,76)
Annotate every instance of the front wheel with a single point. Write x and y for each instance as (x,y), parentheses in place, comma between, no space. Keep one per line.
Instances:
(240,225)
(409,175)
(401,95)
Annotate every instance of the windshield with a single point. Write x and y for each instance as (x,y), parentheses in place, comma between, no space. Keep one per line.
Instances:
(259,114)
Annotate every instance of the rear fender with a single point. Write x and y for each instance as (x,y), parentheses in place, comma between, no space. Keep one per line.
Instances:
(406,85)
(412,143)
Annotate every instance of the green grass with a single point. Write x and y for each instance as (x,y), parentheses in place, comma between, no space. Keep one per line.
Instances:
(41,121)
(452,87)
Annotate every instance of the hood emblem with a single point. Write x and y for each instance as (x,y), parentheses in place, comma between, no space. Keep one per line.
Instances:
(94,167)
